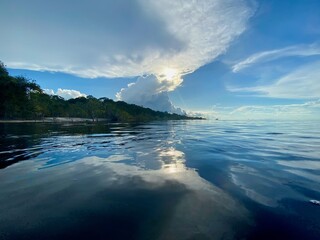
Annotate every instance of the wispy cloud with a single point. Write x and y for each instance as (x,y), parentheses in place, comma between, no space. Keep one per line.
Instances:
(303,83)
(266,56)
(65,93)
(304,111)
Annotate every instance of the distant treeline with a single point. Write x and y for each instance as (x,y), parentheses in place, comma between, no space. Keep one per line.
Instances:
(21,98)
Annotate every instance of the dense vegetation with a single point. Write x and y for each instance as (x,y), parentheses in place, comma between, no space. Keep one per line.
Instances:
(21,98)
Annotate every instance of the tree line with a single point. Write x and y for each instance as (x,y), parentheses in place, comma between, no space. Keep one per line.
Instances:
(21,98)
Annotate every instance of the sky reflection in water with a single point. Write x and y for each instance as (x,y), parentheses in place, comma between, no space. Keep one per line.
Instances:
(168,180)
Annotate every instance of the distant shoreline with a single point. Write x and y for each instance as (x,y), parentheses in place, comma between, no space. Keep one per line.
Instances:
(54,120)
(68,120)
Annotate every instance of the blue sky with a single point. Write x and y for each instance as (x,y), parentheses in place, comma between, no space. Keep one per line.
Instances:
(232,59)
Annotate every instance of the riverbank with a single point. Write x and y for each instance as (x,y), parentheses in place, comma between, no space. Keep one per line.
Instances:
(70,120)
(55,120)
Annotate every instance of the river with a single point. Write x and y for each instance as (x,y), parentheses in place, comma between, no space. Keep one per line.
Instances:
(160,180)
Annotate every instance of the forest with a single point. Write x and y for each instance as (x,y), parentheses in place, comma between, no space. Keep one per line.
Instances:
(21,98)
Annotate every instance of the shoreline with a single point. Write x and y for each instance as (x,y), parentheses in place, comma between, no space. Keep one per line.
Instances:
(55,120)
(72,120)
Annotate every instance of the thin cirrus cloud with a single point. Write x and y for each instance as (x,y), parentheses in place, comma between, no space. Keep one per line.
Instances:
(302,83)
(309,110)
(271,55)
(65,93)
(121,38)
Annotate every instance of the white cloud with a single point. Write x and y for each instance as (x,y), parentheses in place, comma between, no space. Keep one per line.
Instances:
(266,56)
(205,29)
(304,111)
(120,40)
(203,114)
(65,93)
(303,83)
(49,91)
(152,92)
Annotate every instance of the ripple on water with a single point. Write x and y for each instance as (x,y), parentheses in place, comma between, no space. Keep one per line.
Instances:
(181,180)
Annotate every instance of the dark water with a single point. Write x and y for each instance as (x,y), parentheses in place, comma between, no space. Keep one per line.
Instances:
(162,180)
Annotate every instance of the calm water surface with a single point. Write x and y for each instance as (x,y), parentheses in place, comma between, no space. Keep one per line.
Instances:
(161,180)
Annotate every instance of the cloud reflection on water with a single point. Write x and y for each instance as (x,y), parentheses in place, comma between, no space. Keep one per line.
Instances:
(159,180)
(204,211)
(131,180)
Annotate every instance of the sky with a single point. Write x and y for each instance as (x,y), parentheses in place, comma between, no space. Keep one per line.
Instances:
(226,59)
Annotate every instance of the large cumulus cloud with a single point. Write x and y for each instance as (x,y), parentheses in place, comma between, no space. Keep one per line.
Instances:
(149,91)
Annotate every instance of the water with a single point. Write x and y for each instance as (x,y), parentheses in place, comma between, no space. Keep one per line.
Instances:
(160,180)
